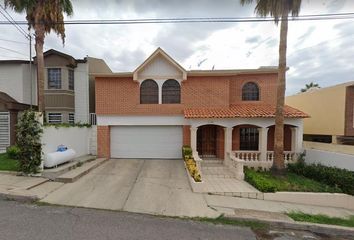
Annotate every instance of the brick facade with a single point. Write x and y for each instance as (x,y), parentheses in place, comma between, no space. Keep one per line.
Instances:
(187,135)
(103,141)
(120,95)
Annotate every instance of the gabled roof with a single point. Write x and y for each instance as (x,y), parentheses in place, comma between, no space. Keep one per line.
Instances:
(161,52)
(243,110)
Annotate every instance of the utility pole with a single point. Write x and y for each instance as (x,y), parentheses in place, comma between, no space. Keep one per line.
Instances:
(30,64)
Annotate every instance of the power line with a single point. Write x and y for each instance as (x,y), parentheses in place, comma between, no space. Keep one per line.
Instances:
(13,22)
(13,41)
(332,16)
(14,51)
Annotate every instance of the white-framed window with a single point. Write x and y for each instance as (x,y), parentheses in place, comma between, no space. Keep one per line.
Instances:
(55,118)
(71,118)
(71,79)
(54,78)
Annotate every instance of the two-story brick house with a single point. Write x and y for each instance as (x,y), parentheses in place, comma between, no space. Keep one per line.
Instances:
(153,111)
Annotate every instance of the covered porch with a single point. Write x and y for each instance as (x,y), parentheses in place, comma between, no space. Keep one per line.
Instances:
(251,142)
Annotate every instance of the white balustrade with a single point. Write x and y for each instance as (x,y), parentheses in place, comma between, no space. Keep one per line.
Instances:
(247,155)
(252,158)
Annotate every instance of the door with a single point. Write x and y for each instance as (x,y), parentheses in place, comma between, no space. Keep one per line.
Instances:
(206,141)
(162,142)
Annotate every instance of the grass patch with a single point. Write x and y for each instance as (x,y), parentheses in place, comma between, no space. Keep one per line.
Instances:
(266,182)
(322,219)
(8,164)
(241,223)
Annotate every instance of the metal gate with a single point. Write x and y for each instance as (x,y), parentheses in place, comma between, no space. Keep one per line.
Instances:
(4,131)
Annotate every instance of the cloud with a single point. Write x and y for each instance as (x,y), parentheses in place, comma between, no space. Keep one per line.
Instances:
(318,51)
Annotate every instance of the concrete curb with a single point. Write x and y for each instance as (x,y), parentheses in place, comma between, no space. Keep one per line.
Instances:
(19,197)
(331,230)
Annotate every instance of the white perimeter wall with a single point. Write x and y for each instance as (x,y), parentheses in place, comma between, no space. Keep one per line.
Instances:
(81,93)
(72,137)
(327,158)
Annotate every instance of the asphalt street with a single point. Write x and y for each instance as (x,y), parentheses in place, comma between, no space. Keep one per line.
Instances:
(26,221)
(30,221)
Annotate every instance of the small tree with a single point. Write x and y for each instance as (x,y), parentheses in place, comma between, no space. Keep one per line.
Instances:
(29,132)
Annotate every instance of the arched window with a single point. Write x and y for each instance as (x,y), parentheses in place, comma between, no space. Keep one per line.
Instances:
(250,92)
(171,92)
(149,92)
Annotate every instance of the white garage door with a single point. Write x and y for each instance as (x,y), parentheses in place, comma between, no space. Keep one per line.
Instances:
(146,142)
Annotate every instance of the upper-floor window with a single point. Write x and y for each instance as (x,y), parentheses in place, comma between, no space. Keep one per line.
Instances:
(149,92)
(250,92)
(71,79)
(54,78)
(171,92)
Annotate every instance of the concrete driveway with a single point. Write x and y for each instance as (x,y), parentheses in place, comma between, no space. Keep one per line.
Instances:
(135,185)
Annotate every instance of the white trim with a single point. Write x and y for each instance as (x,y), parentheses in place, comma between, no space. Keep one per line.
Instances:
(232,122)
(106,120)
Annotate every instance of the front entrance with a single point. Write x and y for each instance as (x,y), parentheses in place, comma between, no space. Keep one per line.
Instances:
(206,141)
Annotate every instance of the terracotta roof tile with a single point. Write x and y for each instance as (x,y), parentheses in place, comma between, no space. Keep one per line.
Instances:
(245,110)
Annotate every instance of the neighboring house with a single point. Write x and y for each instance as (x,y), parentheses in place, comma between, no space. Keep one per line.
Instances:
(153,111)
(331,110)
(69,86)
(9,109)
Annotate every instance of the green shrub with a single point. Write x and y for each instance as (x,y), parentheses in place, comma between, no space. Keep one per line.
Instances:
(266,182)
(186,151)
(259,181)
(332,176)
(29,132)
(13,152)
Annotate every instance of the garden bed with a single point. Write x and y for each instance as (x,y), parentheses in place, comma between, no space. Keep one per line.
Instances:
(8,164)
(291,182)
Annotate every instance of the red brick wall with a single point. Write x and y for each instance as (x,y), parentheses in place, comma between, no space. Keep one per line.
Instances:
(103,141)
(236,139)
(287,138)
(205,92)
(266,84)
(117,95)
(187,135)
(220,140)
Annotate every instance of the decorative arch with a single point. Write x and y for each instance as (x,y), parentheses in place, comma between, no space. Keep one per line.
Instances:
(149,92)
(250,92)
(171,92)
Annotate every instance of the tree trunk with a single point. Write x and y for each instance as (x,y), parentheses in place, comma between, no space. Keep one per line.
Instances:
(40,34)
(278,163)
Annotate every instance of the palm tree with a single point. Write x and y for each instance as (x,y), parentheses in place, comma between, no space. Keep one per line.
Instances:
(280,10)
(43,16)
(309,86)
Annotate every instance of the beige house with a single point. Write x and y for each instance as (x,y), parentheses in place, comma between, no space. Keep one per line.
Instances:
(331,113)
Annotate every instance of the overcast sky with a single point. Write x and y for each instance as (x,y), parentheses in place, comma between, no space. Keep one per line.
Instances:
(318,51)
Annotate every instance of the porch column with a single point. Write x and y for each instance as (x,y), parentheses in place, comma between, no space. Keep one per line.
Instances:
(228,145)
(194,142)
(263,142)
(295,139)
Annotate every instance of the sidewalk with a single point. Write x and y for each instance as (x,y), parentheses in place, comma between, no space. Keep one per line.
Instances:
(25,188)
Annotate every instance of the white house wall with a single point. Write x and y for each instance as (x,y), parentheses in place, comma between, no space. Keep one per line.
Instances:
(81,93)
(27,89)
(11,76)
